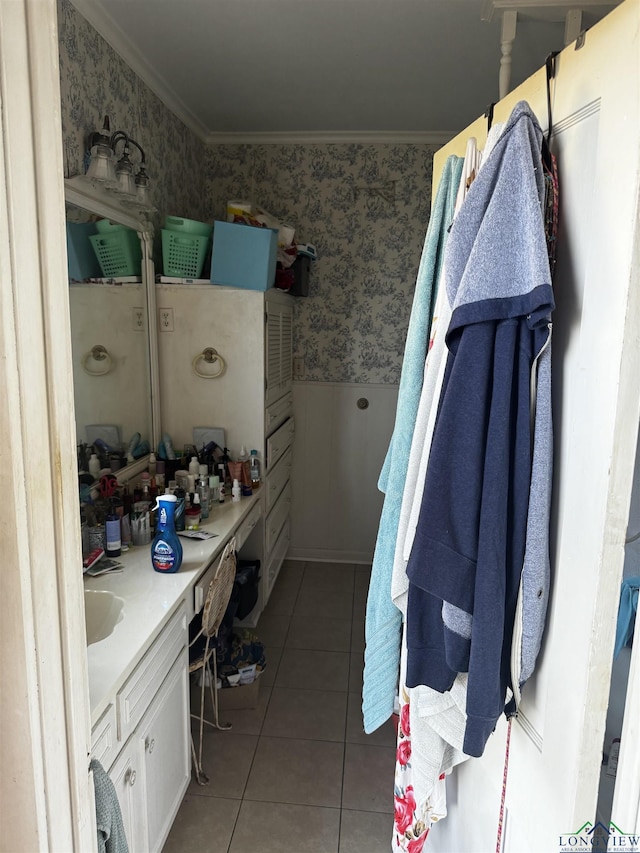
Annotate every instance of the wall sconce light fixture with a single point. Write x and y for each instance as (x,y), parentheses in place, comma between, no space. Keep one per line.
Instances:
(120,175)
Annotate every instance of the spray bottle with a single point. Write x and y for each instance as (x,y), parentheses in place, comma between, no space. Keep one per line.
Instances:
(166,548)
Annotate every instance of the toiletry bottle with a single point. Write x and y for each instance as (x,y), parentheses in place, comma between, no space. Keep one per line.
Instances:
(194,466)
(166,548)
(112,529)
(235,491)
(214,485)
(180,495)
(254,468)
(192,515)
(221,491)
(152,464)
(94,466)
(243,454)
(205,496)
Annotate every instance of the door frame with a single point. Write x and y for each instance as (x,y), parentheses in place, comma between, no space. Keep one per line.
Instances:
(45,788)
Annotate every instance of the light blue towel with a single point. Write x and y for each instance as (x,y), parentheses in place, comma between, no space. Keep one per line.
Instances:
(111,837)
(626,613)
(383,622)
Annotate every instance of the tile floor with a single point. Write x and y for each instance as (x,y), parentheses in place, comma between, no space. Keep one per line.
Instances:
(297,774)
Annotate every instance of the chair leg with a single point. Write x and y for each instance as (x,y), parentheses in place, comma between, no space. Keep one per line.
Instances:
(213,686)
(201,776)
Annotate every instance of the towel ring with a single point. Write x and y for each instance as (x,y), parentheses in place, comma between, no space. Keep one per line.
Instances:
(98,354)
(210,356)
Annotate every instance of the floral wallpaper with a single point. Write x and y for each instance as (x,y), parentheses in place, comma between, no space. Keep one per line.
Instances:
(365,208)
(95,82)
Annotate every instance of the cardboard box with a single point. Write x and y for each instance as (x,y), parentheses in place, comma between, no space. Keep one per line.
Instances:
(243,256)
(238,698)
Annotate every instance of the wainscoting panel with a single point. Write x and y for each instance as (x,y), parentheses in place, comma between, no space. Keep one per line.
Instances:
(338,452)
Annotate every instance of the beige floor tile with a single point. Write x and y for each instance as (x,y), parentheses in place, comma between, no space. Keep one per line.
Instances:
(245,721)
(368,778)
(321,634)
(328,602)
(203,824)
(328,575)
(313,670)
(283,597)
(383,736)
(273,655)
(357,636)
(279,827)
(356,666)
(365,831)
(226,759)
(306,772)
(359,606)
(272,629)
(307,714)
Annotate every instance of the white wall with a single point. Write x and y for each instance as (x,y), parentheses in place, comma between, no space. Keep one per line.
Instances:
(337,456)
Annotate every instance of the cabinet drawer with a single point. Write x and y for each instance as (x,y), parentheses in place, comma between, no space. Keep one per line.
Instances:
(134,698)
(245,529)
(277,555)
(278,412)
(277,479)
(279,441)
(104,740)
(277,518)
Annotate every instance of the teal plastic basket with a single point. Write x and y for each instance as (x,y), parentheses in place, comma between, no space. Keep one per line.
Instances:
(187,226)
(183,255)
(106,226)
(119,253)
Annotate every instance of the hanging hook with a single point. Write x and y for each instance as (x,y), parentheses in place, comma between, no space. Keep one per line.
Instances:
(488,114)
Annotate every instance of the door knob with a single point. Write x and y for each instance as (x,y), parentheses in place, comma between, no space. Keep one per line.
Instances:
(149,745)
(130,777)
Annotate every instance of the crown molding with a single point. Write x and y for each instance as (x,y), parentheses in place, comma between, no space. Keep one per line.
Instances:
(318,137)
(113,34)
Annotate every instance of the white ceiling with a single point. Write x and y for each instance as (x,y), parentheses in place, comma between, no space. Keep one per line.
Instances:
(309,66)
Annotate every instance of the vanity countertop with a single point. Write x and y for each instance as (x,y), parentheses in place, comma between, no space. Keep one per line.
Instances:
(149,600)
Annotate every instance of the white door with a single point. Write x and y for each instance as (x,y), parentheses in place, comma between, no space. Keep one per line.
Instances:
(557,742)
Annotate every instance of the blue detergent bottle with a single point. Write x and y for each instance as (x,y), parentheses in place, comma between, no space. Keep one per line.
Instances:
(166,548)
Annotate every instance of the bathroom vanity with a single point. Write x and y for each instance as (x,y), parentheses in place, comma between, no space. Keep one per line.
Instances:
(137,621)
(138,674)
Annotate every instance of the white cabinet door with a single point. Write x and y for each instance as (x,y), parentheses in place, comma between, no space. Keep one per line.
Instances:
(278,350)
(163,745)
(127,777)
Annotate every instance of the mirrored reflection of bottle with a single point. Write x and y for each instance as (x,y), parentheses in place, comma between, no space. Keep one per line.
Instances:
(204,493)
(254,469)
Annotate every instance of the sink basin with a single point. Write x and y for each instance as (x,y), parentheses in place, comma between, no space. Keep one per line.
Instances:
(102,612)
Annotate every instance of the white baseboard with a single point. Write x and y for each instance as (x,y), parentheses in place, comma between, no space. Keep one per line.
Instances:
(325,555)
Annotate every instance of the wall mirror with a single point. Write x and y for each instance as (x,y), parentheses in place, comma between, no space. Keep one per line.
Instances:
(113,328)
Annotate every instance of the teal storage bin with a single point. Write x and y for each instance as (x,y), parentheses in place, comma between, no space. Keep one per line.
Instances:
(244,256)
(81,258)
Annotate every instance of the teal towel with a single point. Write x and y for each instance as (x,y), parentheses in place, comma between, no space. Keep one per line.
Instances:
(383,621)
(111,837)
(626,613)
